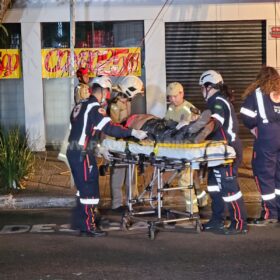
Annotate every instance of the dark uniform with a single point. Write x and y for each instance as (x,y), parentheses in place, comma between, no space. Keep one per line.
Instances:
(222,180)
(260,113)
(88,119)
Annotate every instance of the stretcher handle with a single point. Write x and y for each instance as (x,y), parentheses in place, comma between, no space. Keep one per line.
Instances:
(209,144)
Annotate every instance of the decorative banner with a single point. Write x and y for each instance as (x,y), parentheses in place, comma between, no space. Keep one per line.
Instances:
(99,61)
(10,64)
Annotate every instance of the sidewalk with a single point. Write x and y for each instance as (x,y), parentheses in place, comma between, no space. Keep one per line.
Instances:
(50,186)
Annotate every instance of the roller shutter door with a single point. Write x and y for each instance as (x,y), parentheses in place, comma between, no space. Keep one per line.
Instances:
(234,48)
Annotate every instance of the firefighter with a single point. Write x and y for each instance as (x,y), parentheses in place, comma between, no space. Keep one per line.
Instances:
(260,112)
(120,110)
(222,180)
(183,112)
(88,119)
(82,90)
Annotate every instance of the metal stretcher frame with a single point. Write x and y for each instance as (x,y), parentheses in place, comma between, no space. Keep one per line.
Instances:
(124,157)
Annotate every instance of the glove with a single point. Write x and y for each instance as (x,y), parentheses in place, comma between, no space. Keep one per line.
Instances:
(102,151)
(181,124)
(139,134)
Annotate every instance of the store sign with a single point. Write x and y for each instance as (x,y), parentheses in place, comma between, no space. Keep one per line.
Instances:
(99,61)
(10,64)
(274,32)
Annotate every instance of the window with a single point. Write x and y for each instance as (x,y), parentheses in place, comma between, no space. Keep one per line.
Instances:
(88,35)
(11,90)
(13,39)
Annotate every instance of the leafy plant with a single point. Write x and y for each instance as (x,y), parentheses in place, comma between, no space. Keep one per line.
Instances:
(16,159)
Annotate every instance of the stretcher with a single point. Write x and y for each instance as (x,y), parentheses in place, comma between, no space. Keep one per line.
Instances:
(173,158)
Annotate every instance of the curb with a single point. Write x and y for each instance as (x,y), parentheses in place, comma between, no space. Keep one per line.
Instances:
(8,202)
(11,202)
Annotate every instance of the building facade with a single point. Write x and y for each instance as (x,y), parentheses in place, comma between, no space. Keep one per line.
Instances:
(178,40)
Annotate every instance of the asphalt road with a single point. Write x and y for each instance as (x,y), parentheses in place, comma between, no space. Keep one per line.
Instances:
(45,250)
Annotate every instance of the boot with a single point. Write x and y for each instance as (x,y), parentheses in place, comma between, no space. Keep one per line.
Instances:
(93,233)
(213,225)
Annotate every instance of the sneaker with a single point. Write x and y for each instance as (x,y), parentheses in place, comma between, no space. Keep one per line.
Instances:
(200,123)
(213,225)
(93,233)
(265,222)
(233,231)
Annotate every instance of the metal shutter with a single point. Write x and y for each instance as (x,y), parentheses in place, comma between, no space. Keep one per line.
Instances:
(234,48)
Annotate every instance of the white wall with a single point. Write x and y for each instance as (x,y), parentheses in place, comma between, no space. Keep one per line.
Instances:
(32,84)
(100,10)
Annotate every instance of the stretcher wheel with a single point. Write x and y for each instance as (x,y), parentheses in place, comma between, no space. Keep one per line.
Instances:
(198,226)
(125,223)
(152,231)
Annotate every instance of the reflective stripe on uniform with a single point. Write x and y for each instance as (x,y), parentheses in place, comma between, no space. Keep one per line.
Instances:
(83,135)
(215,188)
(247,112)
(230,121)
(233,197)
(201,195)
(90,201)
(191,203)
(217,173)
(261,105)
(219,118)
(277,191)
(103,122)
(267,197)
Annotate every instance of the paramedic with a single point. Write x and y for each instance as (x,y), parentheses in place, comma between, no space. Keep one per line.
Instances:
(222,180)
(88,120)
(260,112)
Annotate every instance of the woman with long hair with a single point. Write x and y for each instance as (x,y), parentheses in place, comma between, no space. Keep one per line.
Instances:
(222,185)
(260,112)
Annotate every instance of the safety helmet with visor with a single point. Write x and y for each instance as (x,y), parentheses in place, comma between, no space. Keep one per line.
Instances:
(209,80)
(211,77)
(130,86)
(105,83)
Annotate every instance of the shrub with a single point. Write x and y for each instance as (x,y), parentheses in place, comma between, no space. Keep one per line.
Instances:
(16,159)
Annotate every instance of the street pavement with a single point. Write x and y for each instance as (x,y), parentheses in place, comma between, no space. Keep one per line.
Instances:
(36,243)
(46,250)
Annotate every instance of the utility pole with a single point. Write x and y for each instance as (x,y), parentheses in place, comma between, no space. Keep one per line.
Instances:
(72,61)
(72,46)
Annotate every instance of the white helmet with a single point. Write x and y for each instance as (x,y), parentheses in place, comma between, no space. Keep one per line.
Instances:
(103,81)
(212,77)
(130,86)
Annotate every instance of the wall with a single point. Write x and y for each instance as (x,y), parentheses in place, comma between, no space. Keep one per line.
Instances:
(31,13)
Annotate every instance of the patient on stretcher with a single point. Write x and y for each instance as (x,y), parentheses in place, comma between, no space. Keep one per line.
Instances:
(168,131)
